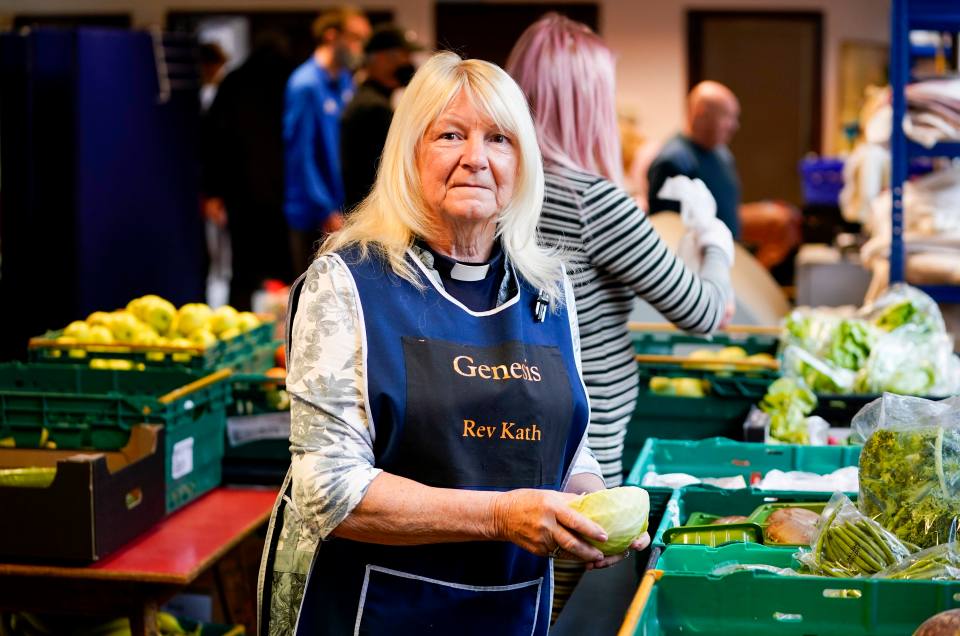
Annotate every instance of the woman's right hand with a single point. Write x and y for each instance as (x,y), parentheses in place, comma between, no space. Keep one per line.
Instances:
(540,520)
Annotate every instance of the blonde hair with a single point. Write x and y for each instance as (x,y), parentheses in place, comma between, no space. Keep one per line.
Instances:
(395,212)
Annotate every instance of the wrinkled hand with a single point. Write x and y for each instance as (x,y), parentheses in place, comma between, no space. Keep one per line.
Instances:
(215,211)
(640,543)
(540,520)
(333,223)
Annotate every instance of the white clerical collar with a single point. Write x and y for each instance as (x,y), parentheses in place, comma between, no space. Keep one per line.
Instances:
(469,273)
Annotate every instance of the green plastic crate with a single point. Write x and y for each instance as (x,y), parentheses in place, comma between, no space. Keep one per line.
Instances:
(720,413)
(95,409)
(757,604)
(251,351)
(257,448)
(706,560)
(719,457)
(722,502)
(680,343)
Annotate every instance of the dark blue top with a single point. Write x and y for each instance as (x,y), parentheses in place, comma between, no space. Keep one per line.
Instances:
(311,139)
(716,168)
(477,295)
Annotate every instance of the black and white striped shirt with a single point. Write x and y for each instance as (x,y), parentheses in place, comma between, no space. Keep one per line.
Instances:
(613,255)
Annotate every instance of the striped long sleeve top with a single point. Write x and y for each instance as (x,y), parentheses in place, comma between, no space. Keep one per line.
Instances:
(613,255)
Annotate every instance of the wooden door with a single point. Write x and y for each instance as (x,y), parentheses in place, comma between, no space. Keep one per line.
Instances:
(772,61)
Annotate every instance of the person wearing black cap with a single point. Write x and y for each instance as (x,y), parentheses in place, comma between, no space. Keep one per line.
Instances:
(366,120)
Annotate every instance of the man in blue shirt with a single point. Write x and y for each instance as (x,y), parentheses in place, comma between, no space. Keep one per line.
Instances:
(713,116)
(772,229)
(316,95)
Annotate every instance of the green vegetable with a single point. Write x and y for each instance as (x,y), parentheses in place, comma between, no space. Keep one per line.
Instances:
(622,513)
(853,548)
(910,482)
(39,477)
(788,403)
(941,563)
(851,344)
(907,313)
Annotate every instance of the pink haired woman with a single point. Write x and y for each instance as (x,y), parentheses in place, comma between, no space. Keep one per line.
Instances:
(613,252)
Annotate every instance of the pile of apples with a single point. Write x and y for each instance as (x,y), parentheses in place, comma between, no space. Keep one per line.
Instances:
(154,322)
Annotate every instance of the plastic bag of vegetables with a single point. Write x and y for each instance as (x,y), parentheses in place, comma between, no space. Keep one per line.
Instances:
(821,375)
(903,307)
(850,544)
(910,466)
(939,563)
(910,362)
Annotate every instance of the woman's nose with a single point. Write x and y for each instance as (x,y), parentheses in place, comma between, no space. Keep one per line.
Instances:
(474,153)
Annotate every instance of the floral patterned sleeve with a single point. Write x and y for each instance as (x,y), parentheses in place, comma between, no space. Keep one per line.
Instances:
(331,444)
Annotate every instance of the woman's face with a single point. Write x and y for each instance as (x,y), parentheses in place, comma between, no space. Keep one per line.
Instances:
(467,165)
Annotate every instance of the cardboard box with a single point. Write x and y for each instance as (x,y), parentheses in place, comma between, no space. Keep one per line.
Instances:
(96,503)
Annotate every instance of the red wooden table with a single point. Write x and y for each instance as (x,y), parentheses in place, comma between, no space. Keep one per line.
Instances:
(138,578)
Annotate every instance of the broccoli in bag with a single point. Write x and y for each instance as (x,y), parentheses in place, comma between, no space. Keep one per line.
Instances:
(910,466)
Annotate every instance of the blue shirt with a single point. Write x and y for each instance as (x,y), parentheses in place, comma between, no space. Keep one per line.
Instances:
(715,168)
(313,185)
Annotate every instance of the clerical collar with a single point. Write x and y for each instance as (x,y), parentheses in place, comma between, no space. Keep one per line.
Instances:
(466,272)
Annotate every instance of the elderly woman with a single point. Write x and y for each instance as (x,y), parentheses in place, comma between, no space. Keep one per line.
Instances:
(438,418)
(567,73)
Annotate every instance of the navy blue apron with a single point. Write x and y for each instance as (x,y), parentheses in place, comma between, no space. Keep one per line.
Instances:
(457,399)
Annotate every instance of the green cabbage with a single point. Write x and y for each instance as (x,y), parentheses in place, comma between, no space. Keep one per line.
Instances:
(622,513)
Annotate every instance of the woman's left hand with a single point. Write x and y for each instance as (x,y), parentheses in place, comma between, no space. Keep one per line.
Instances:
(638,544)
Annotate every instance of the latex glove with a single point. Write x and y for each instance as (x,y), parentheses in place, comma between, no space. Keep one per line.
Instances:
(698,211)
(715,233)
(697,205)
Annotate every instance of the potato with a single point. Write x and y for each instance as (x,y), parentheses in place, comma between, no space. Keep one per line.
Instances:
(797,526)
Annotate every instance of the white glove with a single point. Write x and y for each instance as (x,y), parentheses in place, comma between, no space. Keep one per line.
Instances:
(697,205)
(698,211)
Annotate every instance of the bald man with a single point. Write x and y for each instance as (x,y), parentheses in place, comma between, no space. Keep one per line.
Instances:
(700,151)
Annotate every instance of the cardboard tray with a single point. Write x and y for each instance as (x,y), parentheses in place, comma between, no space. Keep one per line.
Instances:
(96,503)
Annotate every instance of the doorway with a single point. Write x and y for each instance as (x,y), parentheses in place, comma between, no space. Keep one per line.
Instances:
(488,30)
(772,62)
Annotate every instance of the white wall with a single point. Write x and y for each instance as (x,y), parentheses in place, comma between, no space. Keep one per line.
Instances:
(648,35)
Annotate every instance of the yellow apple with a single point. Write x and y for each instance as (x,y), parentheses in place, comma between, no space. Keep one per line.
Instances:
(144,335)
(158,313)
(73,353)
(181,342)
(688,387)
(232,332)
(78,330)
(124,325)
(662,386)
(223,318)
(100,334)
(191,317)
(247,320)
(203,338)
(99,318)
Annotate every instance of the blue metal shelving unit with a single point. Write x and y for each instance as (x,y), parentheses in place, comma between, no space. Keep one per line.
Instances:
(906,16)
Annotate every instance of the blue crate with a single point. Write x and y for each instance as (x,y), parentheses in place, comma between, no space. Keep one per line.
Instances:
(822,180)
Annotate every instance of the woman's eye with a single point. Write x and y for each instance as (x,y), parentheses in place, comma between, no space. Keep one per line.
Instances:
(499,138)
(448,136)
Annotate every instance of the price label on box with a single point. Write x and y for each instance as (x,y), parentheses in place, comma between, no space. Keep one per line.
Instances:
(181,463)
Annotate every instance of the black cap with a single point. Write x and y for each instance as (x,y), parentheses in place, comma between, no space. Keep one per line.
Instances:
(391,36)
